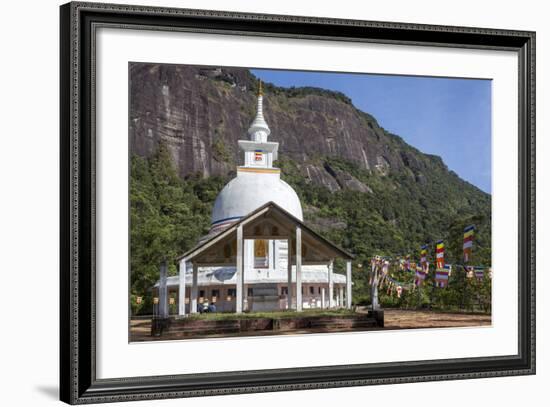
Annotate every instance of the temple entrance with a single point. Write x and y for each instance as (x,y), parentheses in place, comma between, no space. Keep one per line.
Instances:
(264,269)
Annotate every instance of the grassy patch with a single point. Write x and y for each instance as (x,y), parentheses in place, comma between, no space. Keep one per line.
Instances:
(220,316)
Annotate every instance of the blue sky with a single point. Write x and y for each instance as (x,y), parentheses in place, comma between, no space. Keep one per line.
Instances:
(447,117)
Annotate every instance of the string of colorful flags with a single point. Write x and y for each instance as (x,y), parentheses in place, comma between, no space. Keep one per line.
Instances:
(442,270)
(468,242)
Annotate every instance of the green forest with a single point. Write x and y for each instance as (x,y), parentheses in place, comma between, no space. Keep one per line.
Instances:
(168,214)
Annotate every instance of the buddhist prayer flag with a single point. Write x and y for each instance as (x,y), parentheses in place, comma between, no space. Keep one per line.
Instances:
(439,254)
(479,272)
(424,256)
(373,263)
(468,241)
(385,267)
(420,276)
(442,276)
(408,263)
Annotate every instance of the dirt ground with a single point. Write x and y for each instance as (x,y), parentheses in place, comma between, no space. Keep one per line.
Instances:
(403,319)
(140,329)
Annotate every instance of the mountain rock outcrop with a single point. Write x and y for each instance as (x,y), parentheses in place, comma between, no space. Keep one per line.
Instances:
(200,113)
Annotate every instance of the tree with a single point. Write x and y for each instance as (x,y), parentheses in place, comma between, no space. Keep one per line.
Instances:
(166,217)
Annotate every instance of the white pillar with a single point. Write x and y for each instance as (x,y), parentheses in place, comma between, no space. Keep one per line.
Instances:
(298,268)
(323,298)
(348,284)
(270,254)
(240,270)
(181,293)
(194,289)
(289,270)
(340,296)
(276,257)
(330,286)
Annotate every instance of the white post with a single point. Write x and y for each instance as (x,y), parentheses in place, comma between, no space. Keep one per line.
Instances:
(340,296)
(194,289)
(330,286)
(240,270)
(348,284)
(323,298)
(270,254)
(181,293)
(298,268)
(289,270)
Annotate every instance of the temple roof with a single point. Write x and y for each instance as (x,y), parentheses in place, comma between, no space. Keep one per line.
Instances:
(269,221)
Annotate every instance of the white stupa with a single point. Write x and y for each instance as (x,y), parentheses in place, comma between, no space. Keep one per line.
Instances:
(265,261)
(257,181)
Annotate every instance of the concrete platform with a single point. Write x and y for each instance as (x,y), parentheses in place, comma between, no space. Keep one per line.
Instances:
(186,328)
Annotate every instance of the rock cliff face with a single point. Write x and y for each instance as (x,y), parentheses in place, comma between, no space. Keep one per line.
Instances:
(200,113)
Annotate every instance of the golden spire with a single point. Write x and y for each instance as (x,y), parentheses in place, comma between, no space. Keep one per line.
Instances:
(260,90)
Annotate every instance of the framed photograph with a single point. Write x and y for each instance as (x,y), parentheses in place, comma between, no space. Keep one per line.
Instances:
(255,203)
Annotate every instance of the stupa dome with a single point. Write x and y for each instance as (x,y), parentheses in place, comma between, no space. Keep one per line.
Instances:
(248,192)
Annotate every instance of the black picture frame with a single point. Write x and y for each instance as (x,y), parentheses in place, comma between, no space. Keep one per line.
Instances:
(78,382)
